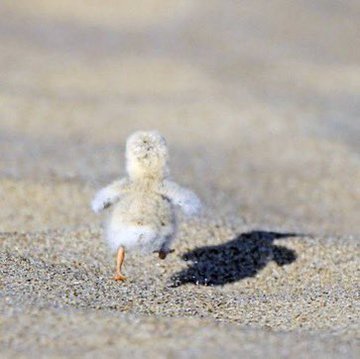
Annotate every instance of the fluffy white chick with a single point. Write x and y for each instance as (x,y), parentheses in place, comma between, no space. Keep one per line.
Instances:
(143,216)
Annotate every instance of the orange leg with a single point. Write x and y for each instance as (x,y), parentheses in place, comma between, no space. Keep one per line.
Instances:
(119,261)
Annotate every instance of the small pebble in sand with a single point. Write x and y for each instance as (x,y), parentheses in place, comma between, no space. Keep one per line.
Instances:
(142,216)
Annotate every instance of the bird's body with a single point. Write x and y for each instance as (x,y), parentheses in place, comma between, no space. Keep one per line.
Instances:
(143,220)
(142,215)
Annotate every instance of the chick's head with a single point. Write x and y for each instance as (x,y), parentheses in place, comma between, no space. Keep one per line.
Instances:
(147,155)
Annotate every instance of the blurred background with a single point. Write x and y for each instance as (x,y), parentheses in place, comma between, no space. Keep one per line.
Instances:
(259,101)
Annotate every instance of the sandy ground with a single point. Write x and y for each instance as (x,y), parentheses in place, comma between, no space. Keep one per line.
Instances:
(259,102)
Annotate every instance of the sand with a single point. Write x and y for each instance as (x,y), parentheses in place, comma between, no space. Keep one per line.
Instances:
(259,102)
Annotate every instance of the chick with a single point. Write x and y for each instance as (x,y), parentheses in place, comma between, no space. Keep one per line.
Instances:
(143,204)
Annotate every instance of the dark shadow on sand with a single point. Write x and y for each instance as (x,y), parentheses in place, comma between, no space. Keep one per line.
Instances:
(237,259)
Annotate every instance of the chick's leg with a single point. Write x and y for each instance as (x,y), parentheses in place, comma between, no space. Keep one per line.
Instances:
(163,253)
(165,249)
(119,261)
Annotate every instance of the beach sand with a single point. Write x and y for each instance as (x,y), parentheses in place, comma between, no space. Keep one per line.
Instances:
(259,103)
